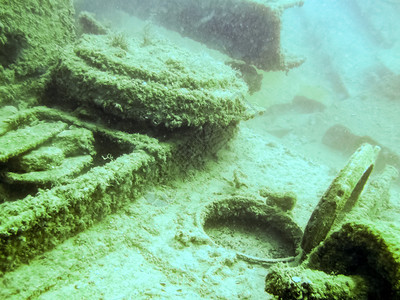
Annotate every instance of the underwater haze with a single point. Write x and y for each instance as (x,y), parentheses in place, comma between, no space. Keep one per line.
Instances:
(214,149)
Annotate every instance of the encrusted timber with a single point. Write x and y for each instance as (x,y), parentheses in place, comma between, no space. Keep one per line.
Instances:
(365,256)
(244,30)
(300,283)
(369,249)
(149,95)
(36,223)
(32,225)
(375,200)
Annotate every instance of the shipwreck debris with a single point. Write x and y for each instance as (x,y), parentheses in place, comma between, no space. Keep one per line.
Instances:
(340,197)
(245,30)
(247,220)
(346,253)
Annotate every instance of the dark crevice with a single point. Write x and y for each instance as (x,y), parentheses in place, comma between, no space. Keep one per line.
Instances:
(12,45)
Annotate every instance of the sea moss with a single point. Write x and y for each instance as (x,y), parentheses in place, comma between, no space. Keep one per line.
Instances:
(31,33)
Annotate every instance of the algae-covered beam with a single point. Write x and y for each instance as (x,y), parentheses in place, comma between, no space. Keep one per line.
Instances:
(123,166)
(155,85)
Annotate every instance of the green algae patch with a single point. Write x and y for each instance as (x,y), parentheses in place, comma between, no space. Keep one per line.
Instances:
(31,33)
(153,85)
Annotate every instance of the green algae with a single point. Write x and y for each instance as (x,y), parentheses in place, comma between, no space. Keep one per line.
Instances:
(31,33)
(35,223)
(87,23)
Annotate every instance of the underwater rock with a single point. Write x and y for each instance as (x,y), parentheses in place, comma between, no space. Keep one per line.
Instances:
(44,158)
(69,168)
(341,138)
(104,169)
(27,137)
(156,86)
(299,104)
(306,105)
(69,142)
(40,209)
(388,86)
(31,33)
(75,141)
(55,161)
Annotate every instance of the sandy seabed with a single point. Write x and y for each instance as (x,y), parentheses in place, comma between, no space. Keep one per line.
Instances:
(153,249)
